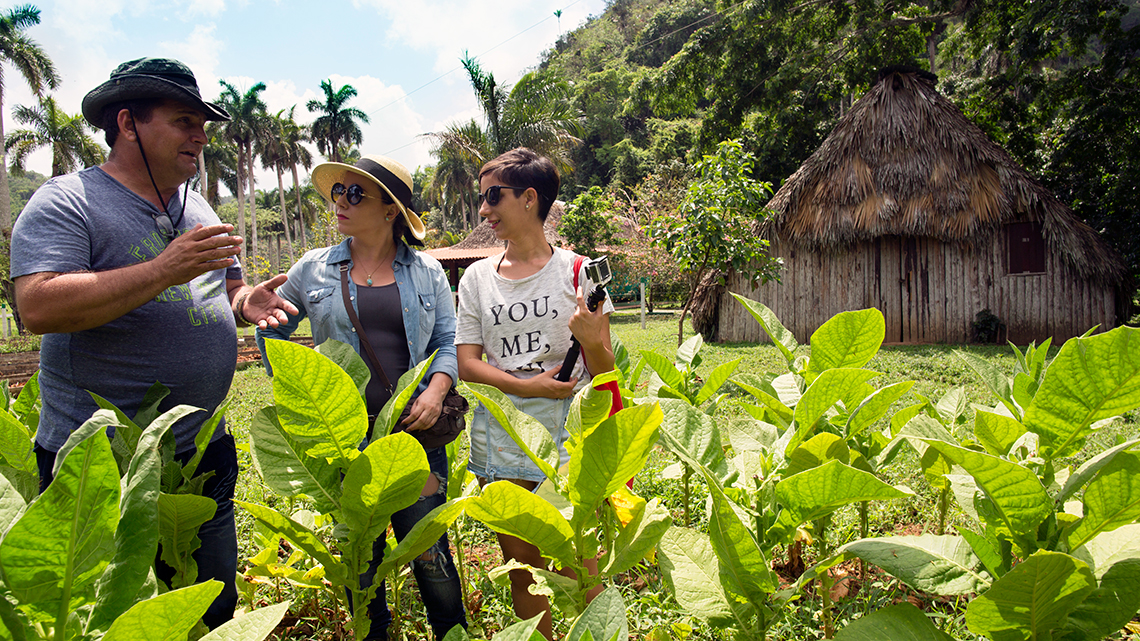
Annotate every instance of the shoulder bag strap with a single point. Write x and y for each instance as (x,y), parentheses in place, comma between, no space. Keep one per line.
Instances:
(360,330)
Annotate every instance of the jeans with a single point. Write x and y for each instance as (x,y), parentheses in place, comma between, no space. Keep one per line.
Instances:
(437,578)
(217,557)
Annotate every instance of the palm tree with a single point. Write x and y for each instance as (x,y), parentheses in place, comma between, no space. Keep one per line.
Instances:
(280,149)
(336,122)
(36,68)
(461,150)
(535,113)
(52,127)
(246,111)
(218,163)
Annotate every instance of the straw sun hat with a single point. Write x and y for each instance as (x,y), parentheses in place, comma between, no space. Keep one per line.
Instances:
(388,174)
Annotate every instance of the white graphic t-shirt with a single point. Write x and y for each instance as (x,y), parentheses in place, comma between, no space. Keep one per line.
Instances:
(523,325)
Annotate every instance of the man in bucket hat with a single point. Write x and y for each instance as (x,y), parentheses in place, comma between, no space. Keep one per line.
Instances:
(132,282)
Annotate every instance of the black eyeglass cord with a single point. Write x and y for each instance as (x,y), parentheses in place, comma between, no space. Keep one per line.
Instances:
(186,192)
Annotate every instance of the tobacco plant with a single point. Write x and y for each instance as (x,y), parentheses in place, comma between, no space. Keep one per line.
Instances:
(76,561)
(808,451)
(1054,552)
(584,512)
(308,441)
(18,423)
(678,380)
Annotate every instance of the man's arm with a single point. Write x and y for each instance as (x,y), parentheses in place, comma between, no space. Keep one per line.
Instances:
(259,305)
(52,302)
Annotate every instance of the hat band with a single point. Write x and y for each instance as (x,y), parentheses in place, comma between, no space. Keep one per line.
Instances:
(398,187)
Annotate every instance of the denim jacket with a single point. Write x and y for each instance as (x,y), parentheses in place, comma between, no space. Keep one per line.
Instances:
(429,310)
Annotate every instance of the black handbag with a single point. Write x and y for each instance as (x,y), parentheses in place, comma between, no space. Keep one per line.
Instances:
(451,419)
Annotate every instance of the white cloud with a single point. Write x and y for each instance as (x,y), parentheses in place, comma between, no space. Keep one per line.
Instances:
(200,51)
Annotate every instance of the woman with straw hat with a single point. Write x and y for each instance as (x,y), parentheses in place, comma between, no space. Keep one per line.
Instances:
(401,300)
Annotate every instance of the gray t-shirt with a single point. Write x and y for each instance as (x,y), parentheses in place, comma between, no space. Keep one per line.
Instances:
(523,325)
(185,338)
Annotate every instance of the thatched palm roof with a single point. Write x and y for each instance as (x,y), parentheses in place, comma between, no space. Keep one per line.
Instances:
(905,161)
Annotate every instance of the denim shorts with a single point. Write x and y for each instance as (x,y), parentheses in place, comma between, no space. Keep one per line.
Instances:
(495,455)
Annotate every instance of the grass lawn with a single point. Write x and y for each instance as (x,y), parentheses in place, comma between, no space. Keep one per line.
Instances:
(935,370)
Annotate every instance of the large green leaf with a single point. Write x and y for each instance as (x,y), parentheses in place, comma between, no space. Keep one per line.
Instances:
(816,451)
(603,619)
(1090,379)
(685,429)
(167,617)
(692,571)
(638,539)
(16,444)
(1017,494)
(1090,468)
(528,433)
(943,565)
(1033,599)
(301,537)
(992,378)
(744,570)
(406,386)
(521,631)
(179,517)
(783,339)
(1110,606)
(54,553)
(423,535)
(847,340)
(562,591)
(996,433)
(689,351)
(765,393)
(875,407)
(136,538)
(715,379)
(827,390)
(900,622)
(387,477)
(11,504)
(317,402)
(821,490)
(611,454)
(1111,499)
(348,359)
(507,508)
(664,368)
(286,469)
(590,406)
(252,626)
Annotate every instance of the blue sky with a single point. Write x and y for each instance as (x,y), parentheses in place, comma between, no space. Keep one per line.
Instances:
(388,49)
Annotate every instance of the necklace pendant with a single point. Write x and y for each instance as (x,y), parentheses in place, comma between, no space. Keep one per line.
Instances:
(369,281)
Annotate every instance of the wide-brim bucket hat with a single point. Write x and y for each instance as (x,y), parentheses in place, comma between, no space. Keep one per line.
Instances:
(148,78)
(388,174)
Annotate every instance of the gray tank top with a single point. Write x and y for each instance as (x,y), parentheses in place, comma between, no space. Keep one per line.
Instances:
(380,313)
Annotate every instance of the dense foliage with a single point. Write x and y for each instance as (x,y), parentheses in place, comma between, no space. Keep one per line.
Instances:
(1056,84)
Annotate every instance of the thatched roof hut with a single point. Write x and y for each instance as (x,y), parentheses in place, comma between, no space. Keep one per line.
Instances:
(481,243)
(909,207)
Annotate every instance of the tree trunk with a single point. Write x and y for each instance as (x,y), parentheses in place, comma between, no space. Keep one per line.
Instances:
(252,198)
(241,206)
(202,187)
(5,194)
(284,217)
(300,216)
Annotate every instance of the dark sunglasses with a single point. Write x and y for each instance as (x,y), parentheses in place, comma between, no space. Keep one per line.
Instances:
(494,194)
(165,226)
(355,193)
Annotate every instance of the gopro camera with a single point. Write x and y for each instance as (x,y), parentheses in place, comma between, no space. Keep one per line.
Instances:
(598,271)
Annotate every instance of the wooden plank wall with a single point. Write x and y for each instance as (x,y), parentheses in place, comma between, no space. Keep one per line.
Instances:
(928,291)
